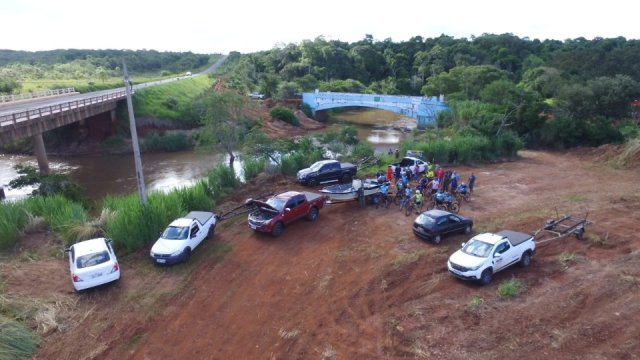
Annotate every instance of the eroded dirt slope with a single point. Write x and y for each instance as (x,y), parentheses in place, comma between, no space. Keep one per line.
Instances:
(357,284)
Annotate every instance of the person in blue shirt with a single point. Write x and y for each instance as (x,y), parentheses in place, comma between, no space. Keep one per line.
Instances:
(472,181)
(454,183)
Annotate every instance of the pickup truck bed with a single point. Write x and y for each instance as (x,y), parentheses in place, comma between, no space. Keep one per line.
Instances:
(311,196)
(515,238)
(201,216)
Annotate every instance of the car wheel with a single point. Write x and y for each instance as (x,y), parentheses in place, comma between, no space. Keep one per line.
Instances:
(277,229)
(455,208)
(212,229)
(525,260)
(312,182)
(580,233)
(486,277)
(437,239)
(186,255)
(467,229)
(346,179)
(313,214)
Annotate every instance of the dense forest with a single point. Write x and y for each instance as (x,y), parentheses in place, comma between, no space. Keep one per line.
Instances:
(545,93)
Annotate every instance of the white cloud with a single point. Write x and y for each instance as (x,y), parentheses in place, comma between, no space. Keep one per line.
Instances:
(252,25)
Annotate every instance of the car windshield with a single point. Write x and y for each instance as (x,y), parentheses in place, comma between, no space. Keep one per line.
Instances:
(477,248)
(176,233)
(92,259)
(276,203)
(425,219)
(316,166)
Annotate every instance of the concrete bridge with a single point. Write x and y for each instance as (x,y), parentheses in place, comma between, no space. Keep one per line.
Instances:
(31,118)
(423,109)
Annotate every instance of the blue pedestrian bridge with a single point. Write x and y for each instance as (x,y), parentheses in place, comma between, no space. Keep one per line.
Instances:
(422,108)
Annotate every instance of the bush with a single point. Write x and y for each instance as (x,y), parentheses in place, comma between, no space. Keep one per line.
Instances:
(362,150)
(59,213)
(176,142)
(292,163)
(13,218)
(16,341)
(510,288)
(169,142)
(306,109)
(253,167)
(221,180)
(152,141)
(284,114)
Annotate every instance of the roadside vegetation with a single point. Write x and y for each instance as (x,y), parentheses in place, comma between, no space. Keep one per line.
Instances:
(172,101)
(91,70)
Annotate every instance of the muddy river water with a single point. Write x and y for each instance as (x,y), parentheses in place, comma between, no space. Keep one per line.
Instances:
(101,175)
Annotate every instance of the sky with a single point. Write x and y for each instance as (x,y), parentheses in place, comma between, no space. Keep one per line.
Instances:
(203,26)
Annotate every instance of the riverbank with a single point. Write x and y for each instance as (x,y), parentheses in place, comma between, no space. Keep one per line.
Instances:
(358,284)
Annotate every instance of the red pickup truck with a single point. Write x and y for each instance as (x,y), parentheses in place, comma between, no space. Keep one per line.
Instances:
(280,210)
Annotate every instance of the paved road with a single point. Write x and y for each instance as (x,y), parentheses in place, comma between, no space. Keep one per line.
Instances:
(9,108)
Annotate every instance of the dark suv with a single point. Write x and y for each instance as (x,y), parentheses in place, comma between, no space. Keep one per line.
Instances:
(433,224)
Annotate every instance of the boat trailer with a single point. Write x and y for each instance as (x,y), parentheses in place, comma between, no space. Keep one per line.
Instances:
(559,227)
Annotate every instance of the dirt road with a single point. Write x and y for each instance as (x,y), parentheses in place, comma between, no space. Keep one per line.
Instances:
(357,284)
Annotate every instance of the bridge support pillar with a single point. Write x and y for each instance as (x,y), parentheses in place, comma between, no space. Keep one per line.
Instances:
(113,116)
(41,153)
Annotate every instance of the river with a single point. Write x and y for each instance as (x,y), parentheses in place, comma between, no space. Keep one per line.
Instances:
(115,174)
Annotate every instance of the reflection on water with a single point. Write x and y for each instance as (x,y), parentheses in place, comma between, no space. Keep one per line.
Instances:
(380,128)
(115,174)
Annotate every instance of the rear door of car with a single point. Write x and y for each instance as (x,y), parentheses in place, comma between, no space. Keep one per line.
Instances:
(195,234)
(454,223)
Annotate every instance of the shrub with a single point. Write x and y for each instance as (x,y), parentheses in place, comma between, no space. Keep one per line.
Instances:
(253,167)
(362,150)
(292,163)
(284,114)
(306,109)
(176,142)
(510,288)
(566,258)
(171,103)
(168,142)
(60,214)
(16,341)
(349,135)
(221,180)
(13,218)
(152,141)
(475,303)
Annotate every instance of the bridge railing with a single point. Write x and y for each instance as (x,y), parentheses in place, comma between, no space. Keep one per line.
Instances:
(37,94)
(20,116)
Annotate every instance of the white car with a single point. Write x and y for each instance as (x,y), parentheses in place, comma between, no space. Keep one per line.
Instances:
(92,263)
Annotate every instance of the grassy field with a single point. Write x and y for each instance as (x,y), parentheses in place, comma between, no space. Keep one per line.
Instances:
(87,84)
(168,101)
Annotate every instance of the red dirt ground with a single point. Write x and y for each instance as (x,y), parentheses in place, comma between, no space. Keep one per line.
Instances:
(357,284)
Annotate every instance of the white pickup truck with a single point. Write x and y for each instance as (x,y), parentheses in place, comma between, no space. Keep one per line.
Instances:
(486,254)
(182,236)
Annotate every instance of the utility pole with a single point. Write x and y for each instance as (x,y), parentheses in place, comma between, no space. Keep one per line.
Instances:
(134,138)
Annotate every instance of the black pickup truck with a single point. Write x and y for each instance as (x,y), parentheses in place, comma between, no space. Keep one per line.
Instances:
(327,171)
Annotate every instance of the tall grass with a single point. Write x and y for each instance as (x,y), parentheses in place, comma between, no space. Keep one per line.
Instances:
(133,225)
(221,180)
(60,214)
(16,341)
(253,167)
(460,149)
(13,218)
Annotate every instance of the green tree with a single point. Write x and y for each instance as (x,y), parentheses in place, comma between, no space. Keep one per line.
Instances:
(102,73)
(225,122)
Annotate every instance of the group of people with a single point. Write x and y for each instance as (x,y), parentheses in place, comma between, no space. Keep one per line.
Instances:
(434,180)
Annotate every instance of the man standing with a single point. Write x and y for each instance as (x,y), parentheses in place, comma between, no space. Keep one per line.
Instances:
(472,181)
